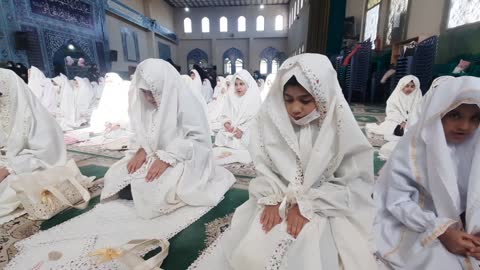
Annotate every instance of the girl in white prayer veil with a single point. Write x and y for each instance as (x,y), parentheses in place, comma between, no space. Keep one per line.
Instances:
(30,139)
(240,108)
(112,111)
(401,103)
(310,205)
(84,96)
(69,117)
(427,195)
(387,149)
(172,166)
(43,89)
(197,82)
(207,90)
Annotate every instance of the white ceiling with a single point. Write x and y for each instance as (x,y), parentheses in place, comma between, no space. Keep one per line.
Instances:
(222,3)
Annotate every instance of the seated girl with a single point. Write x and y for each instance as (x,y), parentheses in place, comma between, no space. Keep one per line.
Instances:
(427,195)
(172,165)
(30,138)
(240,108)
(310,205)
(387,149)
(401,103)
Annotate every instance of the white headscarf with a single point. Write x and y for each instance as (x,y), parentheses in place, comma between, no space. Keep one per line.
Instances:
(68,110)
(267,86)
(338,154)
(36,82)
(190,83)
(43,89)
(84,95)
(417,113)
(30,135)
(174,128)
(424,166)
(197,81)
(262,84)
(207,90)
(221,87)
(240,110)
(399,105)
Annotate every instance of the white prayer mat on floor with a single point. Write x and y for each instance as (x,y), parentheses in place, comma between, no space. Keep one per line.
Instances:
(17,213)
(223,155)
(212,258)
(108,225)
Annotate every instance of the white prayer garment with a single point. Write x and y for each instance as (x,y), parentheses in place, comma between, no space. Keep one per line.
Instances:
(171,130)
(267,86)
(68,116)
(239,111)
(197,83)
(207,90)
(399,108)
(261,84)
(387,149)
(113,106)
(42,87)
(322,163)
(30,139)
(197,94)
(427,184)
(215,107)
(84,96)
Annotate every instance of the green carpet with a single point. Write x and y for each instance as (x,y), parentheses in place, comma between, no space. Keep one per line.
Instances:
(377,163)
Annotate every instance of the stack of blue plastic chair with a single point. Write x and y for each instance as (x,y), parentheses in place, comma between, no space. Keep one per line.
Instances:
(358,70)
(424,60)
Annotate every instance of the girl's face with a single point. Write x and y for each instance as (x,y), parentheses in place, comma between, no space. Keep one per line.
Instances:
(240,88)
(192,75)
(409,88)
(149,97)
(461,123)
(298,102)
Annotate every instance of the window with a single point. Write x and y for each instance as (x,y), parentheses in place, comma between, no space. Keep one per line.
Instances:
(263,66)
(274,66)
(260,23)
(223,24)
(242,24)
(187,25)
(398,8)
(302,50)
(238,65)
(463,12)
(279,23)
(295,10)
(371,24)
(227,66)
(205,25)
(301,3)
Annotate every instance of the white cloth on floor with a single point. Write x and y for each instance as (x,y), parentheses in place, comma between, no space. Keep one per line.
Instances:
(422,189)
(239,112)
(174,132)
(29,135)
(108,225)
(331,181)
(399,107)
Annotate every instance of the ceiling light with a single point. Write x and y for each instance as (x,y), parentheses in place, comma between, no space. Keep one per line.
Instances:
(71,47)
(187,9)
(262,6)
